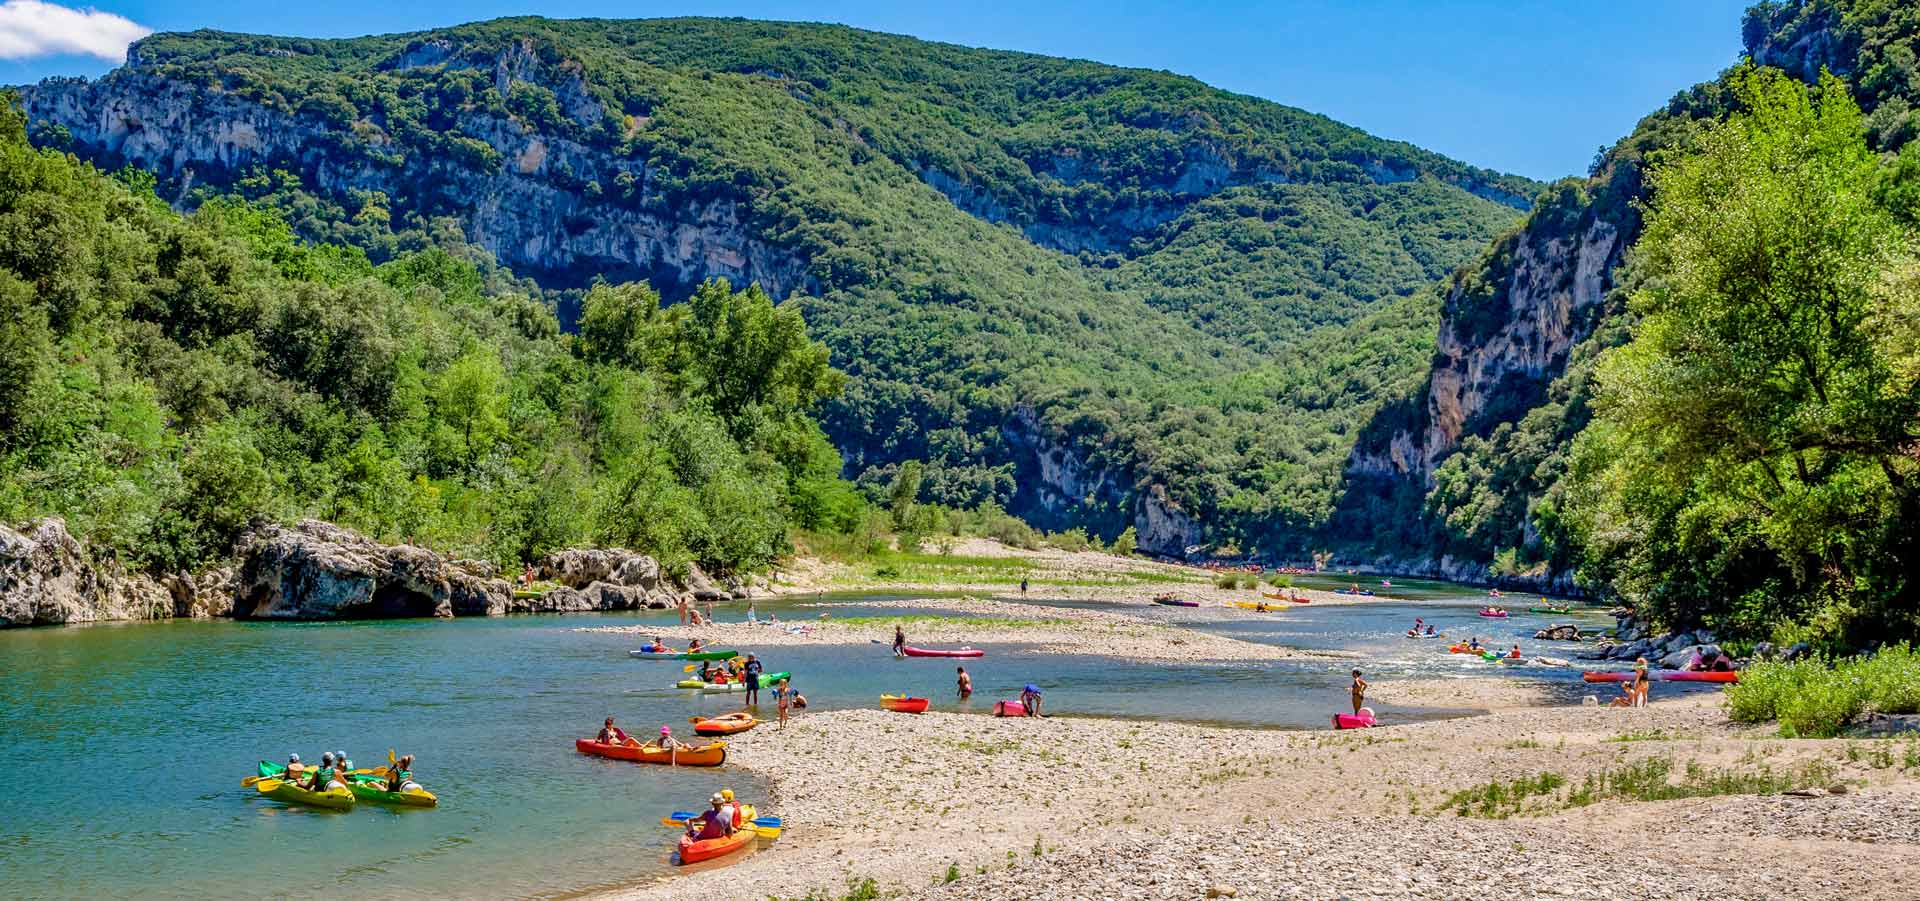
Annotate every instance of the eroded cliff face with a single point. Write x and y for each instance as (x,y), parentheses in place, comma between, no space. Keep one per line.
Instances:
(48,578)
(528,207)
(1056,481)
(1494,359)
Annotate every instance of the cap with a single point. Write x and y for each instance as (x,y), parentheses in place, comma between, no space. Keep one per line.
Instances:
(1033,688)
(326,757)
(293,758)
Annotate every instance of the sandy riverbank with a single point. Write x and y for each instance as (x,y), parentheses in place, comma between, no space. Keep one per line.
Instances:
(1114,807)
(1131,633)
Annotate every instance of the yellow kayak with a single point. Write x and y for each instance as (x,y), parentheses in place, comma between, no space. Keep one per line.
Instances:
(1254,605)
(337,799)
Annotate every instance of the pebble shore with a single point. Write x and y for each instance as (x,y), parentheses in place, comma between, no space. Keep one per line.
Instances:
(1088,808)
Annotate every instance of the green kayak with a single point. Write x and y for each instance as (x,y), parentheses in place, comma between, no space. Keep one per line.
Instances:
(371,790)
(767,680)
(1549,610)
(275,771)
(709,655)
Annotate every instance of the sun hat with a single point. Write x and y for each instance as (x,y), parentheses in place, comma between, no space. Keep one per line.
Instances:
(666,730)
(717,799)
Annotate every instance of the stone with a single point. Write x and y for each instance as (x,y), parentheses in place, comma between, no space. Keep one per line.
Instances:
(702,587)
(595,597)
(47,578)
(317,570)
(1559,632)
(1222,890)
(1886,725)
(204,596)
(581,567)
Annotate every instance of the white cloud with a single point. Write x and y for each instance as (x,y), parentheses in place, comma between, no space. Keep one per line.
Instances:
(31,28)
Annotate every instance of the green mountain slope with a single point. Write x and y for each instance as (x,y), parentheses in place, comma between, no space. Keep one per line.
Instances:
(1076,289)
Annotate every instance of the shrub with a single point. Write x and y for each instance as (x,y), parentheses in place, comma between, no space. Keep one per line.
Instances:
(1890,679)
(1226,580)
(1822,707)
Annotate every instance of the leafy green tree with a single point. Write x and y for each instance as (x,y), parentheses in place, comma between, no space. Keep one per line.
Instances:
(1752,458)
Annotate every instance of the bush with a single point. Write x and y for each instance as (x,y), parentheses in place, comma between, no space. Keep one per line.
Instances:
(1890,679)
(1815,699)
(1226,580)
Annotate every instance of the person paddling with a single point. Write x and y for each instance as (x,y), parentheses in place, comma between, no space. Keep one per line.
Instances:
(400,775)
(611,734)
(294,766)
(715,823)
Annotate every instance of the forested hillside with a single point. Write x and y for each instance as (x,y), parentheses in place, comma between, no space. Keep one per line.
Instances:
(1689,377)
(1096,295)
(166,378)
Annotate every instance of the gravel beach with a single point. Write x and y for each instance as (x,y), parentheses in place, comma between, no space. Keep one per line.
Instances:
(1081,807)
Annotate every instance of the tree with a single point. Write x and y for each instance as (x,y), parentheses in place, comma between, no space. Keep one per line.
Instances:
(470,401)
(1752,461)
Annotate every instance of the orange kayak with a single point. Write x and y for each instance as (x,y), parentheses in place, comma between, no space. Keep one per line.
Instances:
(711,755)
(725,725)
(695,850)
(899,704)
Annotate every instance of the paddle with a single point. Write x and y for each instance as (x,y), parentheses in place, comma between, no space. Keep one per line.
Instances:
(251,781)
(765,827)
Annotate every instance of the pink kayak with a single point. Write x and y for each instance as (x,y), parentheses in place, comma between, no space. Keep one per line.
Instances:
(1009,708)
(911,651)
(1488,613)
(1351,721)
(1665,676)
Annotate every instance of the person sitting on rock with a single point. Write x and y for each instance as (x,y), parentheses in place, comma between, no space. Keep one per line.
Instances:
(611,734)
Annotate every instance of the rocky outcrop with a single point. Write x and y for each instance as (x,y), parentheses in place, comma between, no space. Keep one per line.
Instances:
(1055,481)
(580,567)
(594,597)
(47,578)
(206,595)
(316,570)
(1559,632)
(520,193)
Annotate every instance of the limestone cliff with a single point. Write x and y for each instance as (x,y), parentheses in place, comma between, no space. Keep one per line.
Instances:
(523,197)
(1057,484)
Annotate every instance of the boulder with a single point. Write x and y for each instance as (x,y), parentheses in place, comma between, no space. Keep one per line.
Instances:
(581,567)
(597,596)
(702,587)
(317,570)
(46,578)
(1559,632)
(207,595)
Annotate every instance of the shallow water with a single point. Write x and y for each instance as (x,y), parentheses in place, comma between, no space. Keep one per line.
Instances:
(123,745)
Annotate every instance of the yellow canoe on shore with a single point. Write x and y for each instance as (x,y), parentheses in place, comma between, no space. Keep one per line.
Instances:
(1254,605)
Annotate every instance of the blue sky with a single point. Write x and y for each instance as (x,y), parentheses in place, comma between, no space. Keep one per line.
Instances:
(1517,85)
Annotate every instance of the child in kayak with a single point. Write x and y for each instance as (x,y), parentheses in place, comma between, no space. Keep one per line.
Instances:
(965,683)
(667,742)
(1359,692)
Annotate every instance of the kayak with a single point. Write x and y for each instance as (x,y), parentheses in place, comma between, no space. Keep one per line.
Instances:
(1664,676)
(695,850)
(766,681)
(644,654)
(1463,649)
(1549,610)
(1488,613)
(1252,605)
(1425,635)
(372,791)
(899,704)
(1279,597)
(690,683)
(1363,593)
(710,755)
(1352,721)
(1009,708)
(1175,602)
(337,799)
(725,725)
(702,655)
(912,651)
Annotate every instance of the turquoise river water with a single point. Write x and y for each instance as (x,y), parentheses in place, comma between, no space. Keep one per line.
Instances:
(122,746)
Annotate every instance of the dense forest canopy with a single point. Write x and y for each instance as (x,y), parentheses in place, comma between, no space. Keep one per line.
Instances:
(166,378)
(1183,286)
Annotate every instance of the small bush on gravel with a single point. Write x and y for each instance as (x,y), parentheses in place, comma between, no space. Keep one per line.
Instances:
(1814,698)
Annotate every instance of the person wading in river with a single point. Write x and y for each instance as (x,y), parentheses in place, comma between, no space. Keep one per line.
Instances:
(1359,692)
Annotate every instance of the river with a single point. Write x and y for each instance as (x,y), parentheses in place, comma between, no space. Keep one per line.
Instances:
(124,745)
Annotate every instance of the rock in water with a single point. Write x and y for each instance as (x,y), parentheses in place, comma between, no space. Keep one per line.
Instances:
(317,570)
(46,578)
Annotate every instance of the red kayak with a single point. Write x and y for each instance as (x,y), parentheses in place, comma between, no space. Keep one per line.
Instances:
(1009,708)
(912,651)
(1351,721)
(1489,613)
(1665,676)
(898,704)
(695,850)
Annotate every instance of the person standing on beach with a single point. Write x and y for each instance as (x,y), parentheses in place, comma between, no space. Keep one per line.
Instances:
(899,641)
(965,683)
(1359,692)
(782,699)
(1642,686)
(680,604)
(1023,587)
